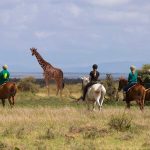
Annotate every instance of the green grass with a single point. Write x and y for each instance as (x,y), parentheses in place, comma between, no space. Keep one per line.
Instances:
(38,122)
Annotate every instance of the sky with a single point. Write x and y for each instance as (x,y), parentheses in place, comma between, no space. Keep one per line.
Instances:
(75,34)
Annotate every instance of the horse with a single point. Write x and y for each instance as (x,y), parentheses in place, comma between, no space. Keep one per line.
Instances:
(135,93)
(95,93)
(8,91)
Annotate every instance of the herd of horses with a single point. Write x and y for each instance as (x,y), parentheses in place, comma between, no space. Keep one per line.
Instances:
(95,94)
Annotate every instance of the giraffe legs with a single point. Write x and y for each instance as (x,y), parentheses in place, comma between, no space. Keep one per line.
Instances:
(59,87)
(47,86)
(57,90)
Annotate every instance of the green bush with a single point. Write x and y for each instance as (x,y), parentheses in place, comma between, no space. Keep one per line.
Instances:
(28,84)
(120,122)
(110,87)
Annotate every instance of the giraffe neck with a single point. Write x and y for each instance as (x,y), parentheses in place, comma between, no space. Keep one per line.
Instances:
(41,61)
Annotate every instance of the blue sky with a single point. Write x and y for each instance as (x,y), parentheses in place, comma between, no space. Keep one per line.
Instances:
(74,34)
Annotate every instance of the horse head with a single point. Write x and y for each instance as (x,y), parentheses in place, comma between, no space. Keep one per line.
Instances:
(122,83)
(85,81)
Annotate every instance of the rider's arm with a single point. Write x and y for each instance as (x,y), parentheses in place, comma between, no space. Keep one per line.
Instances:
(129,78)
(8,74)
(90,76)
(1,74)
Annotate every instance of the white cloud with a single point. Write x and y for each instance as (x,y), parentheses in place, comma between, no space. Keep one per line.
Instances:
(108,2)
(4,18)
(74,9)
(129,17)
(43,34)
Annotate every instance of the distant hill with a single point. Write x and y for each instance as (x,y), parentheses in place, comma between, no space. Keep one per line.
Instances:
(110,67)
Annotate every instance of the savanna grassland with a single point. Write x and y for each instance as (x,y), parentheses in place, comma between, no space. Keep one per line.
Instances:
(38,122)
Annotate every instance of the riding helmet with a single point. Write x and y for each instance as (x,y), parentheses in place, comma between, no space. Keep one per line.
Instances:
(95,66)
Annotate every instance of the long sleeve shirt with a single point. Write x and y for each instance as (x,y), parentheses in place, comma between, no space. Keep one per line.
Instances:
(4,76)
(132,78)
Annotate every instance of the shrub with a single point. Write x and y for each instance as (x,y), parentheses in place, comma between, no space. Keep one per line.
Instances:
(28,84)
(110,86)
(120,122)
(48,135)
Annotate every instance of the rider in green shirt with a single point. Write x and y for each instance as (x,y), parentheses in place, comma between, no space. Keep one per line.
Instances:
(4,75)
(132,80)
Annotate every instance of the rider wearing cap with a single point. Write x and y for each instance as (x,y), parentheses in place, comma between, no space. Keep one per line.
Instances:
(4,75)
(94,75)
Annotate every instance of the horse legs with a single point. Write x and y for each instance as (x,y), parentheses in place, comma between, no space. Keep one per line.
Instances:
(141,105)
(98,103)
(101,99)
(142,101)
(88,104)
(13,100)
(3,102)
(94,104)
(9,99)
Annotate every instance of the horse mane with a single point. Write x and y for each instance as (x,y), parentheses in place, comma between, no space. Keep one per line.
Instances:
(122,78)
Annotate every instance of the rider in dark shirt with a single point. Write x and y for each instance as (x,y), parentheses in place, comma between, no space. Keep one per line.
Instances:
(94,75)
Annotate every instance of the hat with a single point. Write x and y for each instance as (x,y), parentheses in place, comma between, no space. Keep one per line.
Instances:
(5,67)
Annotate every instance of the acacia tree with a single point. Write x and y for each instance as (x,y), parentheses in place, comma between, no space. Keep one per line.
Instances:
(144,72)
(146,67)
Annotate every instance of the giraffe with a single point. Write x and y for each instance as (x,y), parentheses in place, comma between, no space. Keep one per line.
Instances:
(50,72)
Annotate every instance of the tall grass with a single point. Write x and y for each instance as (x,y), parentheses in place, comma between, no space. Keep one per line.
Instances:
(41,122)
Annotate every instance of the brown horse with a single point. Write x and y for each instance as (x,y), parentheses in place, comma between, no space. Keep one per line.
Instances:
(135,93)
(8,91)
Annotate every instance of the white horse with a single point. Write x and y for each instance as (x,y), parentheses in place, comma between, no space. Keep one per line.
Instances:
(95,93)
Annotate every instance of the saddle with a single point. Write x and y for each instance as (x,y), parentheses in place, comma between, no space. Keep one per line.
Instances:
(132,86)
(1,86)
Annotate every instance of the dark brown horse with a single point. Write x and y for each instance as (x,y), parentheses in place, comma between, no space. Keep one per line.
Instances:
(135,93)
(8,91)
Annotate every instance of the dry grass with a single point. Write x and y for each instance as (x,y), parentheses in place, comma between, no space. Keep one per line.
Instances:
(40,122)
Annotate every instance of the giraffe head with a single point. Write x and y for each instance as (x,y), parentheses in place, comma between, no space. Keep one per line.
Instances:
(33,50)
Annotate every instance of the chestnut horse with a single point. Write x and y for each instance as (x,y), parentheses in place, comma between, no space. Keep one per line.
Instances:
(8,91)
(135,93)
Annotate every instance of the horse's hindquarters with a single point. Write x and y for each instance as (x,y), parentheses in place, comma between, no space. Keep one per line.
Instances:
(8,91)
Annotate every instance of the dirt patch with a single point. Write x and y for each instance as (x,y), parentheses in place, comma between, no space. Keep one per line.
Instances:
(89,131)
(126,137)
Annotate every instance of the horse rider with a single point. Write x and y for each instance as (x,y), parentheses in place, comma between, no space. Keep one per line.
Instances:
(4,75)
(93,76)
(132,80)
